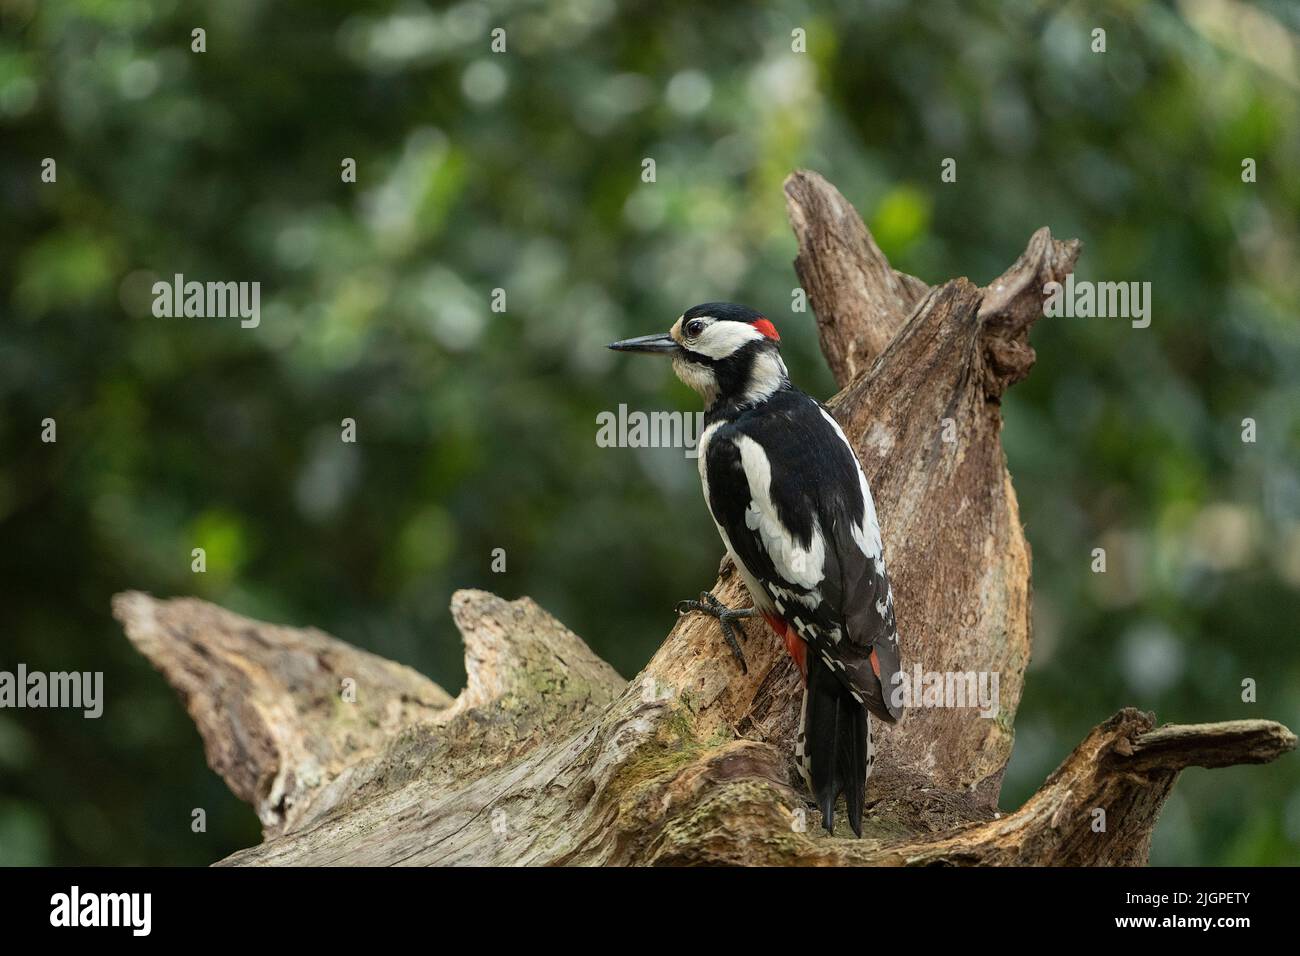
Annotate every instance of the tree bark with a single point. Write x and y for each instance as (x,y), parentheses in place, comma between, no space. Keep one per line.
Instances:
(549,757)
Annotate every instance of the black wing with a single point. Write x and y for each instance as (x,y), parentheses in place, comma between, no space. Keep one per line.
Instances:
(787,491)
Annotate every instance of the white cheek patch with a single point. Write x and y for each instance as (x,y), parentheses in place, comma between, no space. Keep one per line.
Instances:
(720,339)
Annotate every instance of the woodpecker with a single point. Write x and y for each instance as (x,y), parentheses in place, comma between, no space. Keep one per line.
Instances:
(792,505)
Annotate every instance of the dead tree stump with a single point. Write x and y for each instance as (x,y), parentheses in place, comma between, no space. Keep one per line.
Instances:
(549,757)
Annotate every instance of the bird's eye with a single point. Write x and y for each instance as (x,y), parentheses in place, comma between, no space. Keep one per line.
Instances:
(694,327)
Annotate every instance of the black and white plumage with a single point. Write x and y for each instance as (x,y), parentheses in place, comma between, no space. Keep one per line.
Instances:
(792,505)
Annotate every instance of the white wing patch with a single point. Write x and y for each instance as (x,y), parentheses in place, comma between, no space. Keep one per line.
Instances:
(760,597)
(800,565)
(867,534)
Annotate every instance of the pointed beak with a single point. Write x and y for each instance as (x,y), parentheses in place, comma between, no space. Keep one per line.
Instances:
(662,343)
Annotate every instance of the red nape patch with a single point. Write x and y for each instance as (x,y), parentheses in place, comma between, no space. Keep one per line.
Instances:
(767,328)
(793,643)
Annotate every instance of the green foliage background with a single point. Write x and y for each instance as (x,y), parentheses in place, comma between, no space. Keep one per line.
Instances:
(476,430)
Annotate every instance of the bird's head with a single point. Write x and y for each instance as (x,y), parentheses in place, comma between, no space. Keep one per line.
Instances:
(726,352)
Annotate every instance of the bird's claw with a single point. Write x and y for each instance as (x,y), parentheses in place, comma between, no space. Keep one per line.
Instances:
(710,605)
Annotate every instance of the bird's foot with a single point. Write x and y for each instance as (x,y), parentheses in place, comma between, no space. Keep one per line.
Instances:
(726,617)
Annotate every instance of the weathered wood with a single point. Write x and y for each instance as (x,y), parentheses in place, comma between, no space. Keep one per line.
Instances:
(860,300)
(548,757)
(267,699)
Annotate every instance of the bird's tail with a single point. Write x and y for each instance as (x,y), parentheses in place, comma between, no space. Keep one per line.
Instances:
(834,746)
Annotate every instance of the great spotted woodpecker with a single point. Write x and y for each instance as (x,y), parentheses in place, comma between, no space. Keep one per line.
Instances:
(793,508)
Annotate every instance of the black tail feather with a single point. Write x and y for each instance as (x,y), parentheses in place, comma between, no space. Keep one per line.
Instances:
(836,744)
